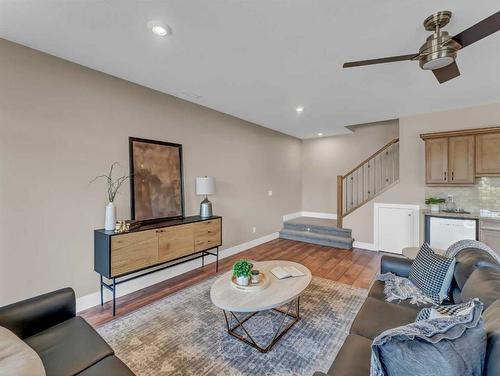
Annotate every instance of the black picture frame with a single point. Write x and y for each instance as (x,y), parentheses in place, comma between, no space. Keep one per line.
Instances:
(133,201)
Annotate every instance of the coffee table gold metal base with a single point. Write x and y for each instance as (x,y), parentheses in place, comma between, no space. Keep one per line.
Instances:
(290,312)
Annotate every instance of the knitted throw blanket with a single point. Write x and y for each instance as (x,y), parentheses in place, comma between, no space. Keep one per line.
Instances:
(455,248)
(400,288)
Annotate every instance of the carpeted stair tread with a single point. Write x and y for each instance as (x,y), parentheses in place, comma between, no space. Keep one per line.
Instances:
(317,225)
(314,235)
(317,238)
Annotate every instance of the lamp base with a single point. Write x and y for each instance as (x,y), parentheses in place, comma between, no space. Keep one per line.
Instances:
(205,208)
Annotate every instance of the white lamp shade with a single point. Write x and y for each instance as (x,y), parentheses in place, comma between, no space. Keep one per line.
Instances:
(205,185)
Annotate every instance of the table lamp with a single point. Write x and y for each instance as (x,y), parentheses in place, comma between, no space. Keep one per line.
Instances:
(205,186)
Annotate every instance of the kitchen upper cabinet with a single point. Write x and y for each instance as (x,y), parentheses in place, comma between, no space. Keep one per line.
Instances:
(436,161)
(488,154)
(461,160)
(458,157)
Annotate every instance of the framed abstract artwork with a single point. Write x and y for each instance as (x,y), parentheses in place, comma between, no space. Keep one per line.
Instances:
(156,183)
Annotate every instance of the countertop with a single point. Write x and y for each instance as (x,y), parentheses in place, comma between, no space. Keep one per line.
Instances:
(471,215)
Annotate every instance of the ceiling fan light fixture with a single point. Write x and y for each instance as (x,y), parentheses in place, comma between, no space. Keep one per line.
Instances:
(438,51)
(437,63)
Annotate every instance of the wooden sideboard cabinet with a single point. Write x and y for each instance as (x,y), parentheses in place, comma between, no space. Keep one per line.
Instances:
(154,247)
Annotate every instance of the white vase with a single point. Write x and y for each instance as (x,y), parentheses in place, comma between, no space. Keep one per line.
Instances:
(434,208)
(243,281)
(110,218)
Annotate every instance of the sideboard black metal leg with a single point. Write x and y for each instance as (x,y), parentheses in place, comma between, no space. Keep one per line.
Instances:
(102,298)
(114,296)
(202,259)
(217,261)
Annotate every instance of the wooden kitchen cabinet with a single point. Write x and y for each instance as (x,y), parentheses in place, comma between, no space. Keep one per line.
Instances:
(459,157)
(489,233)
(449,160)
(436,161)
(488,154)
(461,160)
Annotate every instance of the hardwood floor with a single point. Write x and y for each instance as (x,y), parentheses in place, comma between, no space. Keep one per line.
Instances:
(353,267)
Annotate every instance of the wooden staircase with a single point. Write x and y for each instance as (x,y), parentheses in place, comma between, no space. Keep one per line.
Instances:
(367,180)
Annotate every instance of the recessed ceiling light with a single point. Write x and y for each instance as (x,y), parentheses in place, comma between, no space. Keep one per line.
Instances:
(320,134)
(299,109)
(158,28)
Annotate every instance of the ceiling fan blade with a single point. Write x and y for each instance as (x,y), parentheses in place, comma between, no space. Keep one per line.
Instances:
(379,61)
(446,73)
(479,31)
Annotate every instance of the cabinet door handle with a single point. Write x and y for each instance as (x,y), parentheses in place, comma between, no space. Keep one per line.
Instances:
(452,175)
(445,176)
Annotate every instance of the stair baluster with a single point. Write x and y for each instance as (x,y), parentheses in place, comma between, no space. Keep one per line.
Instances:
(367,180)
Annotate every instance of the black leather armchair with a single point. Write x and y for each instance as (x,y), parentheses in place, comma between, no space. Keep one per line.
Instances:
(66,343)
(31,316)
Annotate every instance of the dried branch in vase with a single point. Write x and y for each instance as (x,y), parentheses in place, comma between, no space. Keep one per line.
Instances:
(113,185)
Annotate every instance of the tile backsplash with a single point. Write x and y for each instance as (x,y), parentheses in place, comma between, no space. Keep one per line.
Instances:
(485,194)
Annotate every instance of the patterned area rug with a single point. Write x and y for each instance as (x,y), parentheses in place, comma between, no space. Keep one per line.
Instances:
(184,334)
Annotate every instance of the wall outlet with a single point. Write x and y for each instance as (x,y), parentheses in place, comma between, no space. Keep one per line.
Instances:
(254,230)
(269,193)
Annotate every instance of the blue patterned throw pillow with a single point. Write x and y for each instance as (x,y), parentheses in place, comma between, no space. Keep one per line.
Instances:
(445,311)
(432,273)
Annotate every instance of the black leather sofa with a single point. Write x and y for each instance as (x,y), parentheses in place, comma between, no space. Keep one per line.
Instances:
(477,275)
(66,343)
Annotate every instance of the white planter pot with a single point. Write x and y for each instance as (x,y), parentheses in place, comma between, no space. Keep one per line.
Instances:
(434,207)
(243,281)
(110,218)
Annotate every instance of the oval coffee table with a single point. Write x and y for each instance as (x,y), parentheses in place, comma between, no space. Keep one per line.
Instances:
(278,293)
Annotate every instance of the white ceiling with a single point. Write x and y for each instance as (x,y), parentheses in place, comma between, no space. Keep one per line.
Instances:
(260,59)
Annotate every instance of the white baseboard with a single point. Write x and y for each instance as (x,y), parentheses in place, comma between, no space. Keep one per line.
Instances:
(94,299)
(367,246)
(287,217)
(319,215)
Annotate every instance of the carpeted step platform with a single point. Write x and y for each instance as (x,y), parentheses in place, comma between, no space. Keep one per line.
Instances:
(317,231)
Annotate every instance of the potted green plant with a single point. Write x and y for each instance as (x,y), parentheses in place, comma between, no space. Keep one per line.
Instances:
(242,270)
(434,203)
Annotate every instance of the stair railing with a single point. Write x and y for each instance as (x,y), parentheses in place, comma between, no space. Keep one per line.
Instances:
(367,180)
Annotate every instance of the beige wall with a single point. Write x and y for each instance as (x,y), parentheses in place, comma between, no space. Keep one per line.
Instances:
(325,158)
(411,188)
(62,124)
